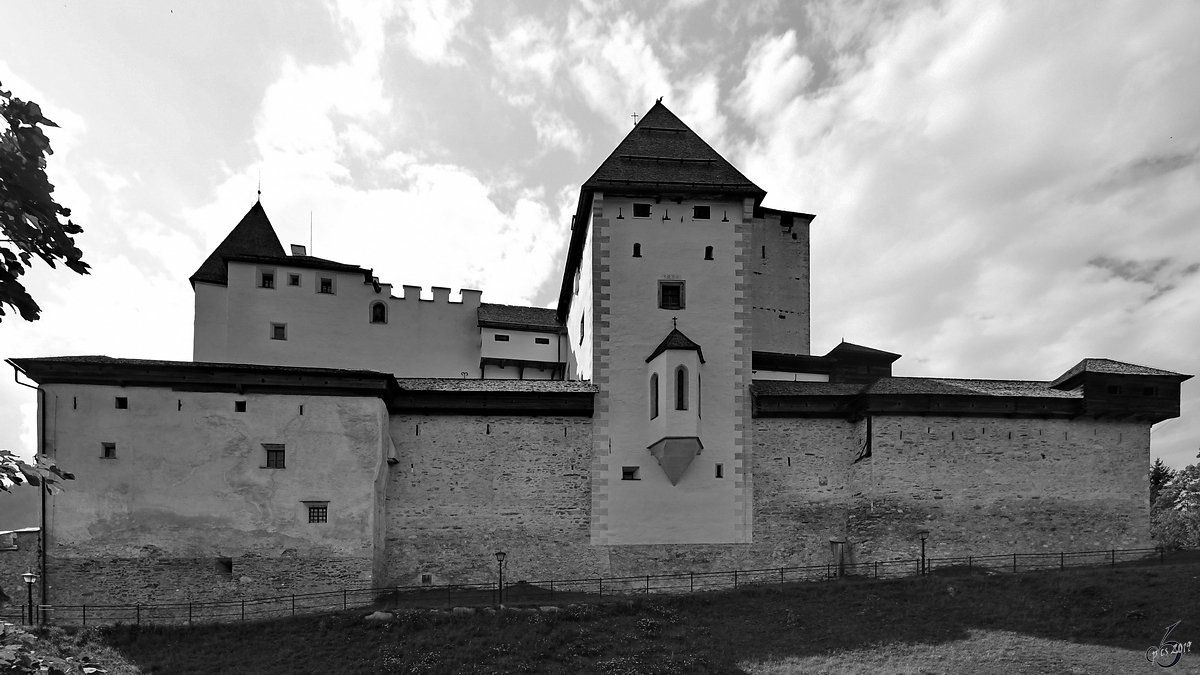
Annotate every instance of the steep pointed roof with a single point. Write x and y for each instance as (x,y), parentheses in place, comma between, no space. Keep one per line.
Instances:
(253,236)
(676,340)
(664,154)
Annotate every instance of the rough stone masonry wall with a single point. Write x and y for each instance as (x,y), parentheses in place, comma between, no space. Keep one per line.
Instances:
(994,486)
(467,486)
(18,555)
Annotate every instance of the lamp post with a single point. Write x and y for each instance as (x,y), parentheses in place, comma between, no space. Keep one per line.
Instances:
(500,555)
(29,578)
(924,534)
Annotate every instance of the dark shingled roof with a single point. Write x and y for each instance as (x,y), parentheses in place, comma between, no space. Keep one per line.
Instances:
(944,386)
(662,153)
(306,261)
(468,385)
(514,316)
(253,236)
(790,388)
(851,348)
(1114,368)
(676,340)
(190,365)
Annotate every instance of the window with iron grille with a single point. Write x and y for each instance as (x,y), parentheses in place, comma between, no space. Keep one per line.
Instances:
(318,514)
(275,453)
(325,285)
(670,295)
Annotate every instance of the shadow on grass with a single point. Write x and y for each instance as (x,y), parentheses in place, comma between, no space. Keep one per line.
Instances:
(1126,607)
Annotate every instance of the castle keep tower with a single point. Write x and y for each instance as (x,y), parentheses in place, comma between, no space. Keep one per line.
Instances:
(658,298)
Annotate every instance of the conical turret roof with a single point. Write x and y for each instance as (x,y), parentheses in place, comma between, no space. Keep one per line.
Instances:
(253,236)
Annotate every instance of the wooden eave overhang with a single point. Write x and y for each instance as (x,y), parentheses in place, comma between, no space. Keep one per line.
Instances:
(526,327)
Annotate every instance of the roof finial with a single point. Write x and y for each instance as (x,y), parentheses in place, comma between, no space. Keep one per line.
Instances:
(259,186)
(634,116)
(674,322)
(659,100)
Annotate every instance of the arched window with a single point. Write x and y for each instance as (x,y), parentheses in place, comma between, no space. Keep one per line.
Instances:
(378,312)
(637,250)
(681,393)
(708,253)
(654,396)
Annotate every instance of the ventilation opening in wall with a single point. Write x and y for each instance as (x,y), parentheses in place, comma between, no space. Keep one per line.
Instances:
(122,403)
(720,471)
(426,579)
(630,473)
(239,406)
(74,402)
(223,565)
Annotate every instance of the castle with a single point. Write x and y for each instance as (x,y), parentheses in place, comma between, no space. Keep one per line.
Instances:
(666,416)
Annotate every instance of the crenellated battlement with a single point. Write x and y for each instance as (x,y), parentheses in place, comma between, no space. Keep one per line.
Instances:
(467,296)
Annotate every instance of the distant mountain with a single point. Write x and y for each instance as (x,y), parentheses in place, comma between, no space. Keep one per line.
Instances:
(19,508)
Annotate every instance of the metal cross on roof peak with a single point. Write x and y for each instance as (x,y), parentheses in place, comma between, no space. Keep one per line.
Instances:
(635,118)
(674,322)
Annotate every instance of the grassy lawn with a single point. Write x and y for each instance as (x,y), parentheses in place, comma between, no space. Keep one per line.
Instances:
(1092,622)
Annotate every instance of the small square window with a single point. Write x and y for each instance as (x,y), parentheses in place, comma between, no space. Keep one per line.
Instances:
(275,452)
(266,278)
(426,579)
(700,213)
(279,331)
(641,210)
(325,285)
(293,280)
(239,406)
(108,450)
(501,338)
(318,514)
(670,295)
(630,473)
(720,470)
(122,403)
(541,341)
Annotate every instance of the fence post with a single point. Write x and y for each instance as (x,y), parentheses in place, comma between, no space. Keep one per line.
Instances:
(601,580)
(243,609)
(735,578)
(647,584)
(1062,561)
(189,613)
(781,576)
(85,615)
(293,604)
(449,600)
(876,569)
(969,561)
(138,608)
(1014,563)
(343,599)
(551,591)
(1114,558)
(691,582)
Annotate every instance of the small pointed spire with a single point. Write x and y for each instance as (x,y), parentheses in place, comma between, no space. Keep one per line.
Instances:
(259,187)
(674,322)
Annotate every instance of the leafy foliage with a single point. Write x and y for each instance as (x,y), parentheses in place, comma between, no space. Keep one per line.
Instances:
(30,222)
(1160,475)
(43,471)
(1175,508)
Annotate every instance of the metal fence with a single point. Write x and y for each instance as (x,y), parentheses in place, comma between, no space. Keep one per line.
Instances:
(559,591)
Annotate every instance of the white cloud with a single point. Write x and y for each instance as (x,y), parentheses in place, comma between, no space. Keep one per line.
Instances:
(556,131)
(775,74)
(430,27)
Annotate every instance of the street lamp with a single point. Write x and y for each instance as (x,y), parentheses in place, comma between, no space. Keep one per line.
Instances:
(29,578)
(923,534)
(500,555)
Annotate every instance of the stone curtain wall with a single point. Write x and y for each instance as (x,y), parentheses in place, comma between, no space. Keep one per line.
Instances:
(992,485)
(466,486)
(18,555)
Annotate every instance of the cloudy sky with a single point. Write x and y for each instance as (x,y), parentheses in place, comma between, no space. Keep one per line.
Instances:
(1001,189)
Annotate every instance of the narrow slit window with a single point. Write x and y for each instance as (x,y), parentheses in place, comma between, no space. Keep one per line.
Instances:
(708,250)
(681,390)
(654,396)
(501,338)
(637,250)
(541,341)
(720,470)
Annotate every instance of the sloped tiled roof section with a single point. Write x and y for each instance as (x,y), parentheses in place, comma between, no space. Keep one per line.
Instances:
(537,319)
(1112,367)
(253,236)
(676,340)
(965,387)
(662,154)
